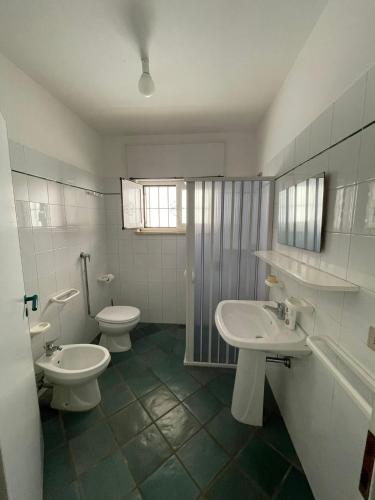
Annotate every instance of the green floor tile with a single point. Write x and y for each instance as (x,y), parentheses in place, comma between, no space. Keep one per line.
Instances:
(230,433)
(146,452)
(177,426)
(121,357)
(143,345)
(203,405)
(154,359)
(117,398)
(110,479)
(129,422)
(134,495)
(109,379)
(58,470)
(204,375)
(276,434)
(182,385)
(159,402)
(232,484)
(202,457)
(131,366)
(179,349)
(143,382)
(67,492)
(53,434)
(222,388)
(169,368)
(295,487)
(77,422)
(90,446)
(170,482)
(263,464)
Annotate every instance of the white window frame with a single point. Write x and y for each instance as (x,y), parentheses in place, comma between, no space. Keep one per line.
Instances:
(180,227)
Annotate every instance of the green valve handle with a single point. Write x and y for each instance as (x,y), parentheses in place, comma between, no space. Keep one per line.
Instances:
(34,301)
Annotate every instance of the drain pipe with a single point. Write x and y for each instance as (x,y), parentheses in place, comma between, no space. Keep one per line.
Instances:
(86,257)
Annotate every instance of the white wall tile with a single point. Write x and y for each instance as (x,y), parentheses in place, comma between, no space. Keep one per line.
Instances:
(44,264)
(361,269)
(42,239)
(23,214)
(334,258)
(38,191)
(340,207)
(364,217)
(348,111)
(57,215)
(40,216)
(20,189)
(169,261)
(55,193)
(343,162)
(366,168)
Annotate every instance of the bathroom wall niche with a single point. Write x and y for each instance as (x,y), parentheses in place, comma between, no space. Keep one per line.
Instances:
(301,214)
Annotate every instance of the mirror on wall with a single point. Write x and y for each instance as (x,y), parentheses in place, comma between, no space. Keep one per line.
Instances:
(301,214)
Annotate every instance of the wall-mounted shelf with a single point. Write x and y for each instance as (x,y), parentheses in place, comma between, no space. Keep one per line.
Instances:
(66,296)
(40,328)
(307,275)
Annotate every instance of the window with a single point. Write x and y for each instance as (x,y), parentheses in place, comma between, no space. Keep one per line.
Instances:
(160,205)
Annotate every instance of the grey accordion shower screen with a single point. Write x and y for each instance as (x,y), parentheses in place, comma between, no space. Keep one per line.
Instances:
(231,220)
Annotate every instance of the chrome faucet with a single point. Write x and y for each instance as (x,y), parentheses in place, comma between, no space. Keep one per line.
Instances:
(51,348)
(279,310)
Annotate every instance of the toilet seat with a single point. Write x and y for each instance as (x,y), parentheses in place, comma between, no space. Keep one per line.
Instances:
(118,314)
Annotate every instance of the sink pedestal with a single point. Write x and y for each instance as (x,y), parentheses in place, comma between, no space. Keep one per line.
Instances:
(248,393)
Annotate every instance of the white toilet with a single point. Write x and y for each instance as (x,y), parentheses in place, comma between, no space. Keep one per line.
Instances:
(115,324)
(73,371)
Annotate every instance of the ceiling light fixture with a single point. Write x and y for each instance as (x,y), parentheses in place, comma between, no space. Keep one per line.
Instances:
(146,84)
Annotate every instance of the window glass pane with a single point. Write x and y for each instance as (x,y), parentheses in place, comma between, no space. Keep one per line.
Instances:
(172,196)
(172,218)
(146,196)
(154,197)
(164,222)
(183,197)
(163,196)
(154,217)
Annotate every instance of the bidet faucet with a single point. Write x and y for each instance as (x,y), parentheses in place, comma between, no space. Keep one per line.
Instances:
(279,310)
(51,348)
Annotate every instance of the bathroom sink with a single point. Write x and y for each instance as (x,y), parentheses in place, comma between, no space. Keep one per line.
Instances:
(258,334)
(247,325)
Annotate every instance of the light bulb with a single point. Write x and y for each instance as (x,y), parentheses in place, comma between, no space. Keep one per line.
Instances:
(146,84)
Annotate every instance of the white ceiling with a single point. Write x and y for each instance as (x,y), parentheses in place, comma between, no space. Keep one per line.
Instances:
(217,64)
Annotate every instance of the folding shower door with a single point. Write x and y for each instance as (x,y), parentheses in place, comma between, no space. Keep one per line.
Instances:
(227,221)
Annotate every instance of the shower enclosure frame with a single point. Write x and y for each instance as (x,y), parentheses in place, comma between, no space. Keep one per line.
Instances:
(191,254)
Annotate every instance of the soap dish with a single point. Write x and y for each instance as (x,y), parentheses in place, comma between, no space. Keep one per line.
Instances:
(273,284)
(40,328)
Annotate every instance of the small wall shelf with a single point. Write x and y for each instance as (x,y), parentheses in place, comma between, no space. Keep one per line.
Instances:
(307,275)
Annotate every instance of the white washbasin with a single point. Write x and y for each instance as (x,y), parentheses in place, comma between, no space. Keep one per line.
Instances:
(247,325)
(257,333)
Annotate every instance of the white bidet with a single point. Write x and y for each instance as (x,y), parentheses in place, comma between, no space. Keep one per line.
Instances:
(73,370)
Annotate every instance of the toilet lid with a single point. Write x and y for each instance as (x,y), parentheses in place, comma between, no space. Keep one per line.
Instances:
(118,314)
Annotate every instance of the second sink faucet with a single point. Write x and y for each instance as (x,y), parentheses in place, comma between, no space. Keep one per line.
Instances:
(279,310)
(50,348)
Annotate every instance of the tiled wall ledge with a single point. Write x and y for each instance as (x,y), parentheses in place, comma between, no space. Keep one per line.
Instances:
(28,161)
(304,274)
